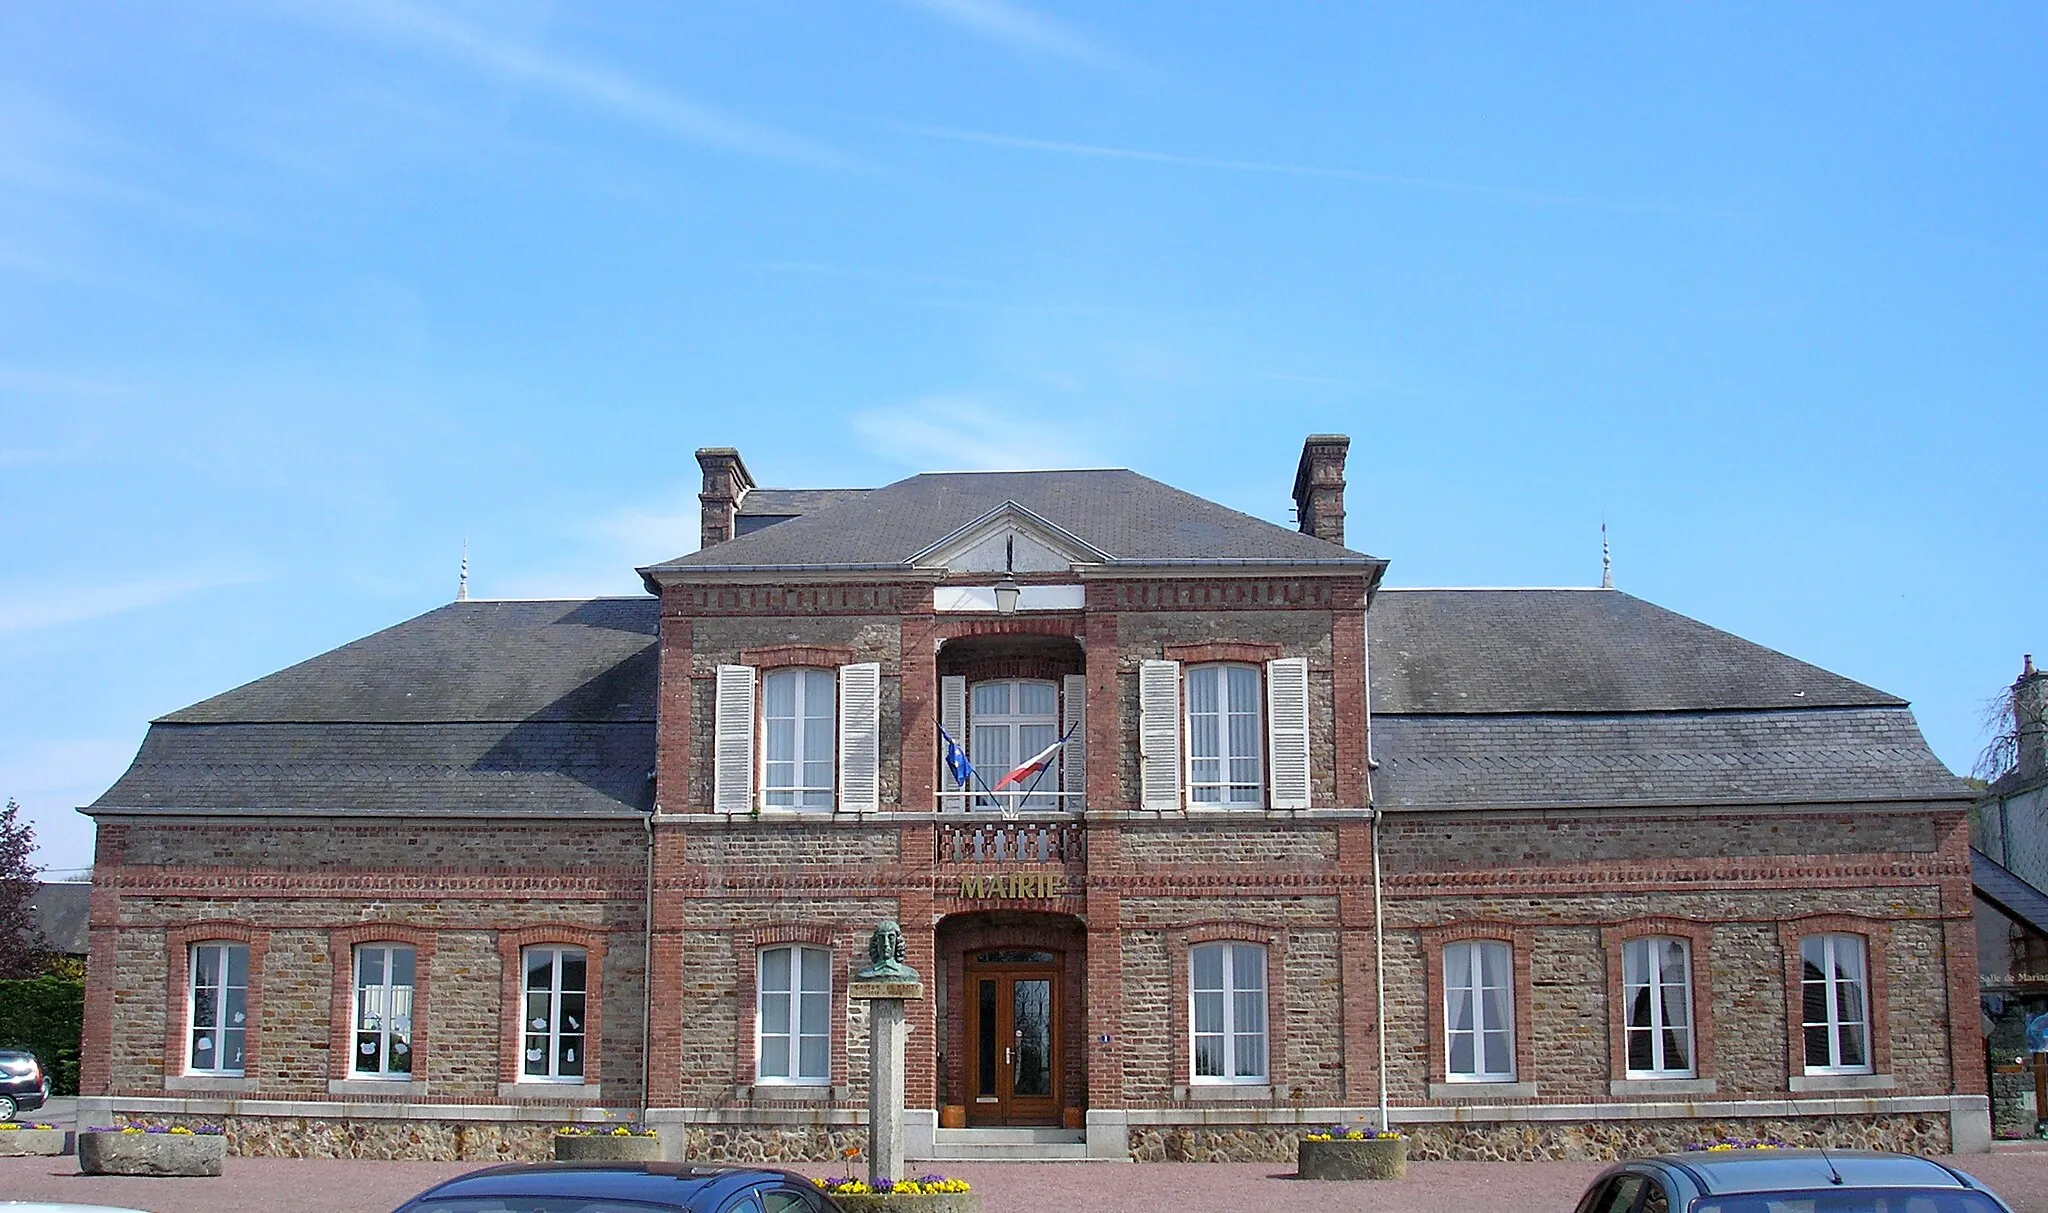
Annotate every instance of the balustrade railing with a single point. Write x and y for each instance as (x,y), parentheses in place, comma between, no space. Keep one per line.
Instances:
(999,841)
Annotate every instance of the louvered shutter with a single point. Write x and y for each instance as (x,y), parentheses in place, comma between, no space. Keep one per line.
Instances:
(860,737)
(1074,727)
(1159,757)
(953,719)
(1287,731)
(733,740)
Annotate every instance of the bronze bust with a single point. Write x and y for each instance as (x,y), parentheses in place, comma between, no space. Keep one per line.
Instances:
(885,956)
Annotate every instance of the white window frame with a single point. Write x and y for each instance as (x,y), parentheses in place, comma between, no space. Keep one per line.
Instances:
(1831,946)
(1234,795)
(198,971)
(553,1032)
(1014,722)
(1470,977)
(1232,1032)
(396,1022)
(1656,979)
(805,960)
(799,733)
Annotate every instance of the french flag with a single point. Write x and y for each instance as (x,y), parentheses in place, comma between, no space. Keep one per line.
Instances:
(1034,765)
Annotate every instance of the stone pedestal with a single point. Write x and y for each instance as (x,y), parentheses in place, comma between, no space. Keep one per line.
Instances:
(887,1032)
(1378,1158)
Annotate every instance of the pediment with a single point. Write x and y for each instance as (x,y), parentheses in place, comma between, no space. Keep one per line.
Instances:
(1010,537)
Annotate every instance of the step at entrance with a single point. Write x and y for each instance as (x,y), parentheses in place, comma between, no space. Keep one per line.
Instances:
(1009,1145)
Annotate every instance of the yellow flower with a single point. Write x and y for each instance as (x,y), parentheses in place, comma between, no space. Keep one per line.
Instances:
(181,1130)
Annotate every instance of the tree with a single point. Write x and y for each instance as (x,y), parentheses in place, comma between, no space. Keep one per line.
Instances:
(21,943)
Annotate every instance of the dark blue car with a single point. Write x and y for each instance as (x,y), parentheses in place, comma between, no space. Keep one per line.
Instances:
(604,1187)
(1787,1181)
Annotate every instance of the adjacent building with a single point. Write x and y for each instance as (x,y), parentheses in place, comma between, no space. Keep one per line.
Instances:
(1524,872)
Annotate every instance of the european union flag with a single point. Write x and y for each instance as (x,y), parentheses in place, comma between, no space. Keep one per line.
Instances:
(956,760)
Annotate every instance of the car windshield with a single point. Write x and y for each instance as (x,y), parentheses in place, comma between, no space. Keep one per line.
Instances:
(536,1204)
(1851,1200)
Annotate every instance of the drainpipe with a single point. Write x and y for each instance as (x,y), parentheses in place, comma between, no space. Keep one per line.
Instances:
(1379,922)
(647,975)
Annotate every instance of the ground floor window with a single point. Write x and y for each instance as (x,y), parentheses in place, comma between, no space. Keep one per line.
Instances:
(556,994)
(1656,975)
(795,1015)
(219,1008)
(1835,1004)
(1479,1024)
(383,1011)
(1227,1012)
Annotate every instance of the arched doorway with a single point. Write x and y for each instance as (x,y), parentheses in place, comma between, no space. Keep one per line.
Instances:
(1014,1017)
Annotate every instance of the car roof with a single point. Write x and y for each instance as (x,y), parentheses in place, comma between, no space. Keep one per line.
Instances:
(694,1185)
(1730,1171)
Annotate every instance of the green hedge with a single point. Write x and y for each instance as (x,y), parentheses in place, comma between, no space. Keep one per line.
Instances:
(46,1016)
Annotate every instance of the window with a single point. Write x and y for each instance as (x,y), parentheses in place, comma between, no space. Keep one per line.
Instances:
(1479,1026)
(797,709)
(1657,991)
(220,1008)
(1224,761)
(1227,1012)
(795,1016)
(1012,722)
(383,1011)
(556,993)
(1835,1002)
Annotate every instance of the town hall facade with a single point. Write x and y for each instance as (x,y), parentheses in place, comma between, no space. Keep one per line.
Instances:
(1523,873)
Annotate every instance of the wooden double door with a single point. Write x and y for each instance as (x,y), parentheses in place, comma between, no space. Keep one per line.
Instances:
(1013,1038)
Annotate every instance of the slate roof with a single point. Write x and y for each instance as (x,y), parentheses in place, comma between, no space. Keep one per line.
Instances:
(2016,898)
(60,909)
(1133,518)
(763,508)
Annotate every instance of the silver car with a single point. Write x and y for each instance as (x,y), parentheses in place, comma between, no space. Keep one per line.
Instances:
(1787,1181)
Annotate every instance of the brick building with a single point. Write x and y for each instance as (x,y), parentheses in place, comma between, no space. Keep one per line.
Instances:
(1530,872)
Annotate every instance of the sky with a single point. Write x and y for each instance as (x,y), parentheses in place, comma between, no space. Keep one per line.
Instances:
(296,298)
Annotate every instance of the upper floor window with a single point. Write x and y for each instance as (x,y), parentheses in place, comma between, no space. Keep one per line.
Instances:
(795,1016)
(1227,1012)
(1012,721)
(798,708)
(1225,759)
(383,1011)
(555,1005)
(219,1008)
(1479,1021)
(1656,978)
(1835,1002)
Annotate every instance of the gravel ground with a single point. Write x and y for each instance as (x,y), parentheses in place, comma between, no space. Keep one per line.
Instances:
(275,1185)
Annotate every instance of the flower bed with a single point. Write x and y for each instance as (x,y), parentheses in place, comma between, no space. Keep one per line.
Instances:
(19,1138)
(152,1150)
(925,1194)
(1717,1147)
(1341,1153)
(622,1143)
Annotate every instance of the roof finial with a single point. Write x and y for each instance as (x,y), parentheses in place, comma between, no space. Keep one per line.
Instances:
(462,582)
(1606,559)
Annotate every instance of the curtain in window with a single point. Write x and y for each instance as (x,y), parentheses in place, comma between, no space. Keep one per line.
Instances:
(220,1007)
(1478,1015)
(795,1015)
(556,994)
(1656,976)
(1224,759)
(1835,1004)
(384,988)
(1227,1012)
(798,709)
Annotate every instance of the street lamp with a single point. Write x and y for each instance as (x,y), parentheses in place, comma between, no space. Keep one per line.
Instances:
(1006,595)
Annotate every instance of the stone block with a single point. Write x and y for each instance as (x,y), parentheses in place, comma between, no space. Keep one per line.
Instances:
(154,1154)
(17,1143)
(1379,1158)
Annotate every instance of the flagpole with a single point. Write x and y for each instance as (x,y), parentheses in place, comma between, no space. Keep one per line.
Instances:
(1041,773)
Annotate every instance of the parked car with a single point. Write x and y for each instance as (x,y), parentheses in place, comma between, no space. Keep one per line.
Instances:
(1787,1181)
(609,1187)
(23,1085)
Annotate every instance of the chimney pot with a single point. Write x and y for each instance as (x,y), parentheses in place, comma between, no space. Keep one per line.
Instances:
(726,481)
(1319,486)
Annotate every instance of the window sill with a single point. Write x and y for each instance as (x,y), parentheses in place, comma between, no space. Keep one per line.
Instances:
(771,1092)
(1471,1091)
(1225,1092)
(1623,1087)
(552,1092)
(1800,1083)
(210,1082)
(376,1086)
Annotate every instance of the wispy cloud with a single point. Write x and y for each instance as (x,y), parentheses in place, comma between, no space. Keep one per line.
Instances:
(1022,29)
(1275,168)
(586,82)
(957,432)
(23,608)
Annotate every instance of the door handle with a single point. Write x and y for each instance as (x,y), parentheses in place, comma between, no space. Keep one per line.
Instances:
(1009,1057)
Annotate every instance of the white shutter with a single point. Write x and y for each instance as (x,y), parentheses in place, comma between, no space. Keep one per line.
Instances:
(1159,756)
(953,719)
(860,736)
(1074,726)
(1287,731)
(733,741)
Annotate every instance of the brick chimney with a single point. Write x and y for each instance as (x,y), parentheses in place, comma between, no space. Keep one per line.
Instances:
(2030,714)
(726,480)
(1319,486)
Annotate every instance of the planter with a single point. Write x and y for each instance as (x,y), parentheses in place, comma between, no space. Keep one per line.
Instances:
(1383,1158)
(953,1116)
(603,1147)
(14,1143)
(151,1153)
(938,1202)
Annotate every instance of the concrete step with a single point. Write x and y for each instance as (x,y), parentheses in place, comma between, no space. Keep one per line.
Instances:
(1009,1145)
(1029,1134)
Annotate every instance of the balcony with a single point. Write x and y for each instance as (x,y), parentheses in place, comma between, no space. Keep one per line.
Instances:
(1056,839)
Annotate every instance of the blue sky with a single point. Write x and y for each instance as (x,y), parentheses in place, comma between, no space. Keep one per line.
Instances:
(294,296)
